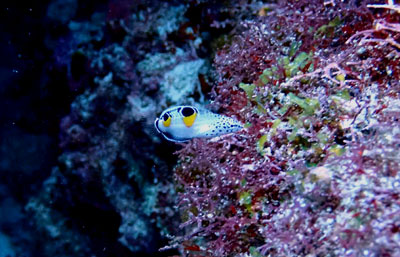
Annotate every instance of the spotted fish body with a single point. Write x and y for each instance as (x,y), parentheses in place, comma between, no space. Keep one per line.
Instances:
(182,123)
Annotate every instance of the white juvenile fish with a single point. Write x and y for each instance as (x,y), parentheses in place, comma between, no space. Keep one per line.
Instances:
(182,123)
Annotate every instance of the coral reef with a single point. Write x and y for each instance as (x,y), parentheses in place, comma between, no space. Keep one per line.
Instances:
(316,172)
(112,192)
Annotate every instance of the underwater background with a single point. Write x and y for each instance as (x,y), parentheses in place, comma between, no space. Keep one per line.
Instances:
(314,172)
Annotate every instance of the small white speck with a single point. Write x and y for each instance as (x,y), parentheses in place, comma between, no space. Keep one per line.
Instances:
(330,221)
(15,71)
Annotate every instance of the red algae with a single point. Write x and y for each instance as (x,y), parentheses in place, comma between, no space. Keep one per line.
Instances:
(315,172)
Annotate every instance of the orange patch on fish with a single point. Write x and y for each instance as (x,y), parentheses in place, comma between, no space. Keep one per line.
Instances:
(189,121)
(167,122)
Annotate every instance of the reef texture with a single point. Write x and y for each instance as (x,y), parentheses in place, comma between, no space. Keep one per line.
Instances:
(112,191)
(316,171)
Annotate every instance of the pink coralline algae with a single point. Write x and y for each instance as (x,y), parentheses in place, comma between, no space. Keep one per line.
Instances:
(316,171)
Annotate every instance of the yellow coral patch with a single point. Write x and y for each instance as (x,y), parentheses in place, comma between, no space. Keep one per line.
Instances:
(189,120)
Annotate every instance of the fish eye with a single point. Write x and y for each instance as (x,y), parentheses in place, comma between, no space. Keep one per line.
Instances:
(166,119)
(187,111)
(165,116)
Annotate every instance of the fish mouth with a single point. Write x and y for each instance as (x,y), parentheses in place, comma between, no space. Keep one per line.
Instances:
(156,125)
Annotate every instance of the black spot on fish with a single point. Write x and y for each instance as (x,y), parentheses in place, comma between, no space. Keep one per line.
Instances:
(165,116)
(187,111)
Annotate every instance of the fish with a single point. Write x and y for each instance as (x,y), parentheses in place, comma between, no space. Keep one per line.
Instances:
(185,122)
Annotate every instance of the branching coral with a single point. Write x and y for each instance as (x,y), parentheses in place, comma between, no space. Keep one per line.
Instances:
(316,170)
